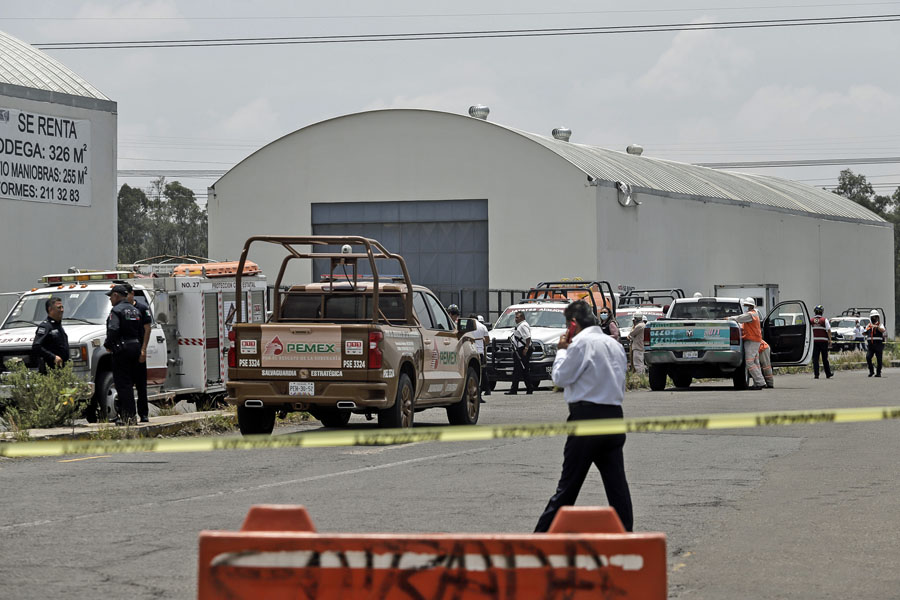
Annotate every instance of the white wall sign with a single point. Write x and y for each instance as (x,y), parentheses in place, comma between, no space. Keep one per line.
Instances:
(45,158)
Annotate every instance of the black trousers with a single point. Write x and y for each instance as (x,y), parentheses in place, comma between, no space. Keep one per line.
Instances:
(605,451)
(521,371)
(820,348)
(126,372)
(875,349)
(140,382)
(485,384)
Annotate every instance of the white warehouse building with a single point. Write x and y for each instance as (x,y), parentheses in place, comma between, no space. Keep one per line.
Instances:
(57,170)
(472,204)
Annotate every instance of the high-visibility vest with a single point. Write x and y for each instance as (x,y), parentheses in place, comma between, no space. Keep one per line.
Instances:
(820,334)
(752,330)
(874,333)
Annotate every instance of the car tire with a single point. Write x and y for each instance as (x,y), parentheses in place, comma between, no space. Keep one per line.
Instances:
(657,376)
(255,420)
(740,377)
(332,417)
(466,411)
(682,380)
(400,414)
(104,402)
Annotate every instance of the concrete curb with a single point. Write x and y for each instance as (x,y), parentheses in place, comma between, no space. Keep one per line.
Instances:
(167,425)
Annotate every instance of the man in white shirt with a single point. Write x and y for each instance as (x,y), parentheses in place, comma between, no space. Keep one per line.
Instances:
(520,341)
(591,369)
(481,337)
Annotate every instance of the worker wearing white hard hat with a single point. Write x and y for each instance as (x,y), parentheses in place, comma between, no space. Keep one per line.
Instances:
(637,341)
(751,332)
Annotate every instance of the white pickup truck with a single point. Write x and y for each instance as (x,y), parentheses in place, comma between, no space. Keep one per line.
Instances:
(697,340)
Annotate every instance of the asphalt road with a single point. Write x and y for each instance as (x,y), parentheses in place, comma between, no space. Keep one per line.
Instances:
(783,512)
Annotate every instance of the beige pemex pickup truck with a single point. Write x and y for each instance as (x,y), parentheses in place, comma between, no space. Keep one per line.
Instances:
(352,343)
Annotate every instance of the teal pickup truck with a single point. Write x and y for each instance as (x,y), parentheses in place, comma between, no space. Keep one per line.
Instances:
(696,339)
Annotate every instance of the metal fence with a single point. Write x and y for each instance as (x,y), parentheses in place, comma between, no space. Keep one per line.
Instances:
(490,303)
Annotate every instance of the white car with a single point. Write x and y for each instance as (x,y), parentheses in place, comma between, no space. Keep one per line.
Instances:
(843,336)
(547,323)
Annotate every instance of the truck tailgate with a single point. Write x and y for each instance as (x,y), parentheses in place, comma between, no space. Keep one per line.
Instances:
(308,351)
(679,335)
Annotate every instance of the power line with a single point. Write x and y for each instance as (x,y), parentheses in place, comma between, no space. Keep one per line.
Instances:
(815,162)
(458,15)
(474,34)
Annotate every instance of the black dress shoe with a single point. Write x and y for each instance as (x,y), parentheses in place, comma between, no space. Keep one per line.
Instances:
(829,376)
(871,374)
(486,394)
(510,393)
(145,419)
(878,375)
(528,393)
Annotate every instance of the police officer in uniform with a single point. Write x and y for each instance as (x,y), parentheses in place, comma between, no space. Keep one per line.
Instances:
(143,407)
(123,339)
(51,344)
(520,342)
(875,338)
(821,330)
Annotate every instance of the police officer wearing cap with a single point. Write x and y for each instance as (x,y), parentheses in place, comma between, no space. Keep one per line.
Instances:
(123,338)
(51,344)
(143,406)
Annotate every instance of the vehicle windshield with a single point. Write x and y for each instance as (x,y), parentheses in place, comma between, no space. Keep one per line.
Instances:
(851,323)
(628,320)
(536,317)
(705,310)
(80,305)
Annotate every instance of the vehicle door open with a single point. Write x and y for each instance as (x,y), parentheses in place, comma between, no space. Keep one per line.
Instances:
(787,330)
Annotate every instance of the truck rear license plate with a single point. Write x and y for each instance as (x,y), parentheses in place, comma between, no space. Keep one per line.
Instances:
(301,388)
(691,354)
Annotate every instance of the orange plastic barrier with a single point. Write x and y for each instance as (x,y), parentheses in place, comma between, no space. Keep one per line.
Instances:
(278,554)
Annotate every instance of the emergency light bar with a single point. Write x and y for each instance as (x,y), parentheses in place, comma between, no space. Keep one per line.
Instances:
(82,277)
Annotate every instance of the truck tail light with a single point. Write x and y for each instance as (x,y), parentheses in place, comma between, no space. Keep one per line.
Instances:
(375,355)
(647,335)
(232,353)
(735,338)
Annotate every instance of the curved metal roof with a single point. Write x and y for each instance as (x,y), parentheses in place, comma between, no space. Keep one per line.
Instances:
(653,174)
(24,65)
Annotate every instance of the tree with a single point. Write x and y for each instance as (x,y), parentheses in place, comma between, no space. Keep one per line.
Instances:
(159,226)
(188,221)
(132,223)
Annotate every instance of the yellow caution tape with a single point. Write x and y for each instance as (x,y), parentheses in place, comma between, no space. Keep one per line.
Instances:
(383,437)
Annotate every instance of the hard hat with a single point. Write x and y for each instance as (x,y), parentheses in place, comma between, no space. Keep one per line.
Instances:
(749,301)
(480,319)
(698,295)
(637,315)
(819,309)
(453,309)
(875,313)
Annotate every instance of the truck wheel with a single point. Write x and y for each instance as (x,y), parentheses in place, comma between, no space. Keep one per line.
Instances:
(465,412)
(104,403)
(332,417)
(253,421)
(739,377)
(400,415)
(682,380)
(657,377)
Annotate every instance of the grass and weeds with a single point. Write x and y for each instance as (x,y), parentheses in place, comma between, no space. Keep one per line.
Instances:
(39,401)
(293,418)
(636,381)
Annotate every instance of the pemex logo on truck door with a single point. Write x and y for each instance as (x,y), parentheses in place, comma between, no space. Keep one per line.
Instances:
(301,347)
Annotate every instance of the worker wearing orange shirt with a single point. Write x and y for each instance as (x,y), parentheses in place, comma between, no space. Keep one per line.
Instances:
(752,334)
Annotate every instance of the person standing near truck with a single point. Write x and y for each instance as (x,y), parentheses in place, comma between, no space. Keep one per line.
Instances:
(875,337)
(752,334)
(607,323)
(123,339)
(765,363)
(140,383)
(51,344)
(481,337)
(821,329)
(637,342)
(520,344)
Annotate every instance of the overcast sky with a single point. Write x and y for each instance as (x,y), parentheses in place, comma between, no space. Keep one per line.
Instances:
(693,96)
